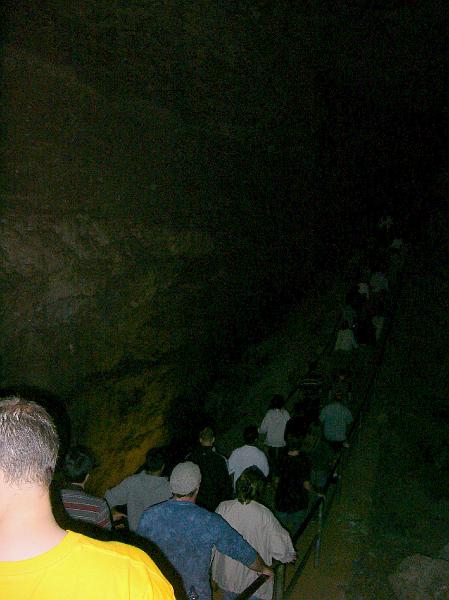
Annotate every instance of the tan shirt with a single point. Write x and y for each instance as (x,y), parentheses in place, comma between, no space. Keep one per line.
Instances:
(262,530)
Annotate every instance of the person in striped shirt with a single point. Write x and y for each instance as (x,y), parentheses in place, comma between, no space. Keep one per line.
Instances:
(78,464)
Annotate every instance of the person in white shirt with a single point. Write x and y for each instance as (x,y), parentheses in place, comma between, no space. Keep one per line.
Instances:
(260,528)
(346,341)
(273,427)
(273,424)
(248,455)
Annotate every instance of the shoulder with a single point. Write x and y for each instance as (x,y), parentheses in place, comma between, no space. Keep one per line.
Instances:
(259,453)
(158,510)
(235,453)
(255,508)
(196,454)
(129,481)
(82,497)
(224,507)
(133,479)
(126,561)
(116,551)
(218,458)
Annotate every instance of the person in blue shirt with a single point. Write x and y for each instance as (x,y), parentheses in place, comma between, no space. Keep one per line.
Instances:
(187,534)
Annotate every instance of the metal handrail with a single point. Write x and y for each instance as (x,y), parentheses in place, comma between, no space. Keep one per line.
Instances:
(278,567)
(254,586)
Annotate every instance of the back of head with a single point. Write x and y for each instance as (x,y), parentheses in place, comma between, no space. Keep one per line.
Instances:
(207,436)
(294,443)
(78,462)
(250,434)
(277,401)
(29,443)
(185,479)
(248,485)
(154,460)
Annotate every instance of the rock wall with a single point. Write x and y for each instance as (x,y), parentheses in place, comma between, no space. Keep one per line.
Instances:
(172,177)
(140,243)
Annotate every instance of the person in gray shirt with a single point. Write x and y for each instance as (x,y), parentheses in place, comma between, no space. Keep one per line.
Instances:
(335,418)
(142,490)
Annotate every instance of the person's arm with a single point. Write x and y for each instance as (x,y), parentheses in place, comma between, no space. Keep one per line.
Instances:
(278,540)
(104,517)
(263,429)
(231,465)
(260,567)
(117,495)
(230,542)
(118,516)
(265,467)
(309,487)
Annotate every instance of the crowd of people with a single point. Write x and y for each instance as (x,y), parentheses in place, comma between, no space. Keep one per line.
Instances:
(212,518)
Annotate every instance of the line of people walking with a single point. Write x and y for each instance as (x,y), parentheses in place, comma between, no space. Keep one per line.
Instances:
(212,519)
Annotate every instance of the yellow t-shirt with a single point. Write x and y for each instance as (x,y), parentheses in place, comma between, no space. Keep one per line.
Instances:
(81,568)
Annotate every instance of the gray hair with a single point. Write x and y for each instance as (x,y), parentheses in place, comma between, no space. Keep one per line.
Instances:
(29,442)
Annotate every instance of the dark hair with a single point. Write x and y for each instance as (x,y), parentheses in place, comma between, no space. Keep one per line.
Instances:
(249,484)
(294,442)
(250,434)
(207,434)
(78,462)
(154,460)
(29,442)
(277,401)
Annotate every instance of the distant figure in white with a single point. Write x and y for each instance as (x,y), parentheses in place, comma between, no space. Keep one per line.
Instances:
(248,455)
(273,427)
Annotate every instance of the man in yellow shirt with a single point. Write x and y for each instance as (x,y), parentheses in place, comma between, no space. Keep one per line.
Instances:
(38,559)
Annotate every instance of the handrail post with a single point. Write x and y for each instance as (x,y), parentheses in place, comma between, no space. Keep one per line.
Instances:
(319,533)
(279,579)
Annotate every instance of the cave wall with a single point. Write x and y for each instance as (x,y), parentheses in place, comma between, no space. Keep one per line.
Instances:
(144,234)
(171,177)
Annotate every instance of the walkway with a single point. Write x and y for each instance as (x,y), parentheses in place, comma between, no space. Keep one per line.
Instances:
(345,526)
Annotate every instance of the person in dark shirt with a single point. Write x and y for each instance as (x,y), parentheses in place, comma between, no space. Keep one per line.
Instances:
(215,481)
(292,492)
